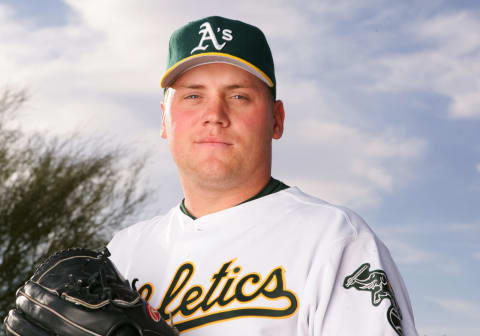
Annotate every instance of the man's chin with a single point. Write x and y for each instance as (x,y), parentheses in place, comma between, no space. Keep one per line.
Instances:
(216,176)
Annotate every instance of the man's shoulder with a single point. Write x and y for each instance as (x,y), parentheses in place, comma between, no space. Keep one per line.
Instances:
(126,242)
(144,226)
(315,209)
(304,201)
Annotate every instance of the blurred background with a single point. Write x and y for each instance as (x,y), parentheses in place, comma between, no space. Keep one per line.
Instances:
(382,106)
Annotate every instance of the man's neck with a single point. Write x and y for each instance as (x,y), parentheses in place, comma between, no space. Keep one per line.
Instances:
(272,187)
(201,201)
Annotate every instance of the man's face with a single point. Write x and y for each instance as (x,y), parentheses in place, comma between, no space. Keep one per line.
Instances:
(219,121)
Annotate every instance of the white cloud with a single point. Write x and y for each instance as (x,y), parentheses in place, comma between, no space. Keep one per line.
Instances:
(448,63)
(458,307)
(72,71)
(354,194)
(478,167)
(406,253)
(476,255)
(347,165)
(463,227)
(337,8)
(410,229)
(402,240)
(446,328)
(449,266)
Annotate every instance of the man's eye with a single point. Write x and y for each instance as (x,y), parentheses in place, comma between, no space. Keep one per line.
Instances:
(192,96)
(239,97)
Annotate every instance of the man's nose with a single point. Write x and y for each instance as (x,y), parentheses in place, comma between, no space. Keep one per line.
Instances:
(216,113)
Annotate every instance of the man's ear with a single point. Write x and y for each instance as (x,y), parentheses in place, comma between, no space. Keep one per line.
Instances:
(278,119)
(164,130)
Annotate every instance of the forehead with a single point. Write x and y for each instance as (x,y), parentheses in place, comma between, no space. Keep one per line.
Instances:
(218,74)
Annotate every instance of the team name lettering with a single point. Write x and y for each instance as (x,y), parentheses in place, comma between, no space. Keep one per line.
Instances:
(226,287)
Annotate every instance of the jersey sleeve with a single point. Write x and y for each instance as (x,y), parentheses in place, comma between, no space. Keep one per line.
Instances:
(359,289)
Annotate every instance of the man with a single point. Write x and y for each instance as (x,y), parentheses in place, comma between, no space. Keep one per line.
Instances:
(243,253)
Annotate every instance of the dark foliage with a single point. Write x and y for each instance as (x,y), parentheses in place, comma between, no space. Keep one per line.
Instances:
(56,194)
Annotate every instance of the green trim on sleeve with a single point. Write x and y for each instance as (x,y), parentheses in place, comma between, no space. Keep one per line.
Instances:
(272,187)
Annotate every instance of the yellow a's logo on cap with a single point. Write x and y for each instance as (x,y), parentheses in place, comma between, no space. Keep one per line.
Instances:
(207,34)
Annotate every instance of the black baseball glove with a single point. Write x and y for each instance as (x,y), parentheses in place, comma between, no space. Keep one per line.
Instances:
(79,292)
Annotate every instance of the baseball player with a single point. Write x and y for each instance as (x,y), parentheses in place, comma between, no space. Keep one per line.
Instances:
(243,253)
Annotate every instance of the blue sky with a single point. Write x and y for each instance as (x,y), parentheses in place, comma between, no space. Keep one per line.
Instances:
(382,102)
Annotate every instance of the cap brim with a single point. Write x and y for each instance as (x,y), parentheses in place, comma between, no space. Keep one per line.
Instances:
(207,58)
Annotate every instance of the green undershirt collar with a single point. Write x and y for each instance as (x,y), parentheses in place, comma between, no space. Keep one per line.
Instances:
(272,187)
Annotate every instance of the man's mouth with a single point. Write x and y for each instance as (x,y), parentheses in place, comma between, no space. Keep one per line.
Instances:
(213,141)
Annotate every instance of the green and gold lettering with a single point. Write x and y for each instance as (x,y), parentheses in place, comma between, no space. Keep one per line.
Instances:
(193,299)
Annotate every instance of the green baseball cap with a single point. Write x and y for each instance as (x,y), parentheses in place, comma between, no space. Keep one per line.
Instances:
(216,39)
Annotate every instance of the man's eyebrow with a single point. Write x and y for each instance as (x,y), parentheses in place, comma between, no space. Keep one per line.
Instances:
(228,87)
(238,86)
(192,86)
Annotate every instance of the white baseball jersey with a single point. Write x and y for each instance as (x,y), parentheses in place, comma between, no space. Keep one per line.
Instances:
(284,264)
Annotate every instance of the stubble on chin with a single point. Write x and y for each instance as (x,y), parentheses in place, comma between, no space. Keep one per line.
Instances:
(213,174)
